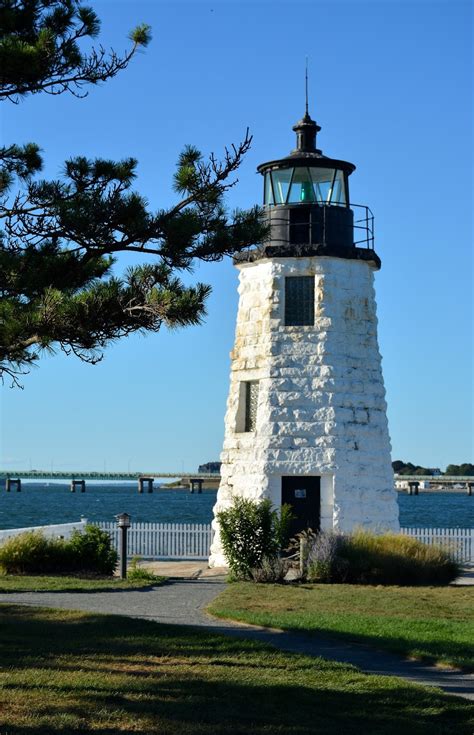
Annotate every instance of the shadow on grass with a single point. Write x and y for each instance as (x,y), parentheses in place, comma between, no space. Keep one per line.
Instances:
(110,675)
(459,655)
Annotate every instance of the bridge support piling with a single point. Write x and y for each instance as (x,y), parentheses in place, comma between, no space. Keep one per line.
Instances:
(149,483)
(11,483)
(469,486)
(413,487)
(81,484)
(195,483)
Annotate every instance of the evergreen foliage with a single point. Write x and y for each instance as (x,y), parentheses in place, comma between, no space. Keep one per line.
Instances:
(59,238)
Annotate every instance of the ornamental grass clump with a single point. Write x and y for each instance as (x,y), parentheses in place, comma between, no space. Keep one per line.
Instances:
(363,557)
(253,534)
(30,551)
(323,556)
(396,559)
(89,551)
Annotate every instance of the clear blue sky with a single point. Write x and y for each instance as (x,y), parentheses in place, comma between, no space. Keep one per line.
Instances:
(391,86)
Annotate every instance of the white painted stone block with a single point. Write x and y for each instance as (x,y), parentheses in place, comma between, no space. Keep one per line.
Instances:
(321,405)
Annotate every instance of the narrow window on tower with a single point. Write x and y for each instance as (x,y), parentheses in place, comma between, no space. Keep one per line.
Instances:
(247,408)
(299,301)
(251,401)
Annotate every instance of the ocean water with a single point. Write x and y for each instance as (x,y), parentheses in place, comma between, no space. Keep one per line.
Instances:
(41,503)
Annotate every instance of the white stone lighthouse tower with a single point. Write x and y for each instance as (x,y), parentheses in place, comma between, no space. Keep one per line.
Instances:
(306,415)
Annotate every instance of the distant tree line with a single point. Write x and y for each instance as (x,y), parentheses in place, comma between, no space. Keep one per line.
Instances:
(466,469)
(210,467)
(407,468)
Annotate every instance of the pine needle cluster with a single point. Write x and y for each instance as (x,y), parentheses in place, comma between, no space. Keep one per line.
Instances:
(59,239)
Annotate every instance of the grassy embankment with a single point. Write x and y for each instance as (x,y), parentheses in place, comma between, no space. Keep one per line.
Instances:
(431,623)
(70,672)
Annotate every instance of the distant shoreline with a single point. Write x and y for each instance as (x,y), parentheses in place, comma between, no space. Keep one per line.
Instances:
(435,490)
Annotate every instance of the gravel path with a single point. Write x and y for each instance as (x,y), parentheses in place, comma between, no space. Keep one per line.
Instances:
(181,602)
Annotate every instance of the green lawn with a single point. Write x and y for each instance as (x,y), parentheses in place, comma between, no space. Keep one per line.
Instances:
(59,583)
(431,623)
(70,672)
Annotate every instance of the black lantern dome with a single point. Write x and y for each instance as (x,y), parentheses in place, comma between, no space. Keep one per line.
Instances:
(306,175)
(306,198)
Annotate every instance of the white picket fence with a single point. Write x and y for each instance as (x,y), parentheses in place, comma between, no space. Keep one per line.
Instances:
(164,540)
(52,531)
(193,540)
(458,541)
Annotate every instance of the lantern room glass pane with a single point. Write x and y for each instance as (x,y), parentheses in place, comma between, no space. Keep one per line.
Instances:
(329,186)
(301,187)
(338,193)
(281,184)
(268,198)
(322,180)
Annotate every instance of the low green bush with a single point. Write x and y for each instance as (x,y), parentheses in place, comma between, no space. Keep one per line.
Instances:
(91,550)
(253,534)
(88,551)
(366,558)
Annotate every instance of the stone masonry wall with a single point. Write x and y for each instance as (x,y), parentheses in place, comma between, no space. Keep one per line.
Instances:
(321,406)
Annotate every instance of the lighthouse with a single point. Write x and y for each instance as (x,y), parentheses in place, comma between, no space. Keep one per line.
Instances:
(306,419)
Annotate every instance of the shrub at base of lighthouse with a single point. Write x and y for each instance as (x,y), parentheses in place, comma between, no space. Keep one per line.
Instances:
(306,415)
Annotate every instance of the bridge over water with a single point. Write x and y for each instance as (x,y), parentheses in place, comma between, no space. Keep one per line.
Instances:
(195,481)
(88,475)
(438,480)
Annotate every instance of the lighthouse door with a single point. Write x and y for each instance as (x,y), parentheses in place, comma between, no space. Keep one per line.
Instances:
(304,496)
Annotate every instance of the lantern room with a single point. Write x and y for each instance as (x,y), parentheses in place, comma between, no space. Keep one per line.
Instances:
(306,198)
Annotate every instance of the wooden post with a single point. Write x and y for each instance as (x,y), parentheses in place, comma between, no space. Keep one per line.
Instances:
(303,553)
(140,485)
(469,486)
(150,481)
